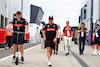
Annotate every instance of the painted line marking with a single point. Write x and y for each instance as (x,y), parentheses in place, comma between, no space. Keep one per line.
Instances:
(2,59)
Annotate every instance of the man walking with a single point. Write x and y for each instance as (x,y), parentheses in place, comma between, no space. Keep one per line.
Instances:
(82,32)
(67,34)
(50,38)
(96,40)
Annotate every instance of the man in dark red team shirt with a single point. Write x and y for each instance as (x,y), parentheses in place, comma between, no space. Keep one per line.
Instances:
(20,25)
(50,34)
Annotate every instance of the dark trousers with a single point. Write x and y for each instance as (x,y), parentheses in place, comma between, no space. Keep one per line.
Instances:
(8,41)
(57,43)
(81,44)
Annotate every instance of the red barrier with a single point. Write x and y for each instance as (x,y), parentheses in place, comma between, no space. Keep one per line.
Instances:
(2,37)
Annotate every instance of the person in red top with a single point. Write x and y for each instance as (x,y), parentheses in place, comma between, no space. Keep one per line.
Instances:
(67,34)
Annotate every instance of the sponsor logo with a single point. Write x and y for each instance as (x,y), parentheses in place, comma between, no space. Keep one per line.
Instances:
(50,29)
(20,25)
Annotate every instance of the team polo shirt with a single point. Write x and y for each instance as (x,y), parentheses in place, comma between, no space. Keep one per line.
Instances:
(67,31)
(97,33)
(19,25)
(50,31)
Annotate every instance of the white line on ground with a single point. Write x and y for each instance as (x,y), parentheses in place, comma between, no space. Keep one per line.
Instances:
(11,47)
(24,51)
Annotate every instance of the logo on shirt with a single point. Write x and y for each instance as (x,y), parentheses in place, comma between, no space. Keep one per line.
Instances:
(20,25)
(50,29)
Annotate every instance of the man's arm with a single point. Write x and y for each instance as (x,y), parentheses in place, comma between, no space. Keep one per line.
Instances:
(80,30)
(26,28)
(86,31)
(44,34)
(56,34)
(72,34)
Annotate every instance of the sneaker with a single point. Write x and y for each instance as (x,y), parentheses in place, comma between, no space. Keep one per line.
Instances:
(68,53)
(41,50)
(5,47)
(14,58)
(99,52)
(49,64)
(22,59)
(54,53)
(80,53)
(94,53)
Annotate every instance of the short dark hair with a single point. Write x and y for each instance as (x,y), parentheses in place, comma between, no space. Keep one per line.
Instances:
(83,23)
(67,21)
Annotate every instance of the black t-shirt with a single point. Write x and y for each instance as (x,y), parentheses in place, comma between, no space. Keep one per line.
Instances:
(41,33)
(84,32)
(19,25)
(50,31)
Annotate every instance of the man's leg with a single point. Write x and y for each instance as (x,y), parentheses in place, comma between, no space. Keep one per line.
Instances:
(14,48)
(80,45)
(66,48)
(21,49)
(83,45)
(41,44)
(49,53)
(70,40)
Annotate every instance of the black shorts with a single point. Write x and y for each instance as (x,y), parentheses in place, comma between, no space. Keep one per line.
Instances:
(49,43)
(20,39)
(97,41)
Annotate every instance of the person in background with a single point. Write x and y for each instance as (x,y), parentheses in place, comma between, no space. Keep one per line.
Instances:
(8,35)
(96,40)
(58,40)
(42,40)
(67,35)
(82,32)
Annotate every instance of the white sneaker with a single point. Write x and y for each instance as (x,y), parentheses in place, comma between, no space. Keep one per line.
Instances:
(99,52)
(94,53)
(41,50)
(49,64)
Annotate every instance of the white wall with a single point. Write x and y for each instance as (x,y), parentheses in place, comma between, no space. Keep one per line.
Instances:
(10,10)
(34,32)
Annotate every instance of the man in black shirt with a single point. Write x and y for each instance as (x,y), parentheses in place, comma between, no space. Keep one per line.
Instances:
(50,38)
(82,32)
(19,24)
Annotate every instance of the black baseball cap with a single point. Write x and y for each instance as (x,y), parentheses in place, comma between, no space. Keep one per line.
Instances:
(51,17)
(18,12)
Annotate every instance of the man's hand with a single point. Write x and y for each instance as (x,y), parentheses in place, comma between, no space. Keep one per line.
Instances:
(26,32)
(60,39)
(54,40)
(44,39)
(11,31)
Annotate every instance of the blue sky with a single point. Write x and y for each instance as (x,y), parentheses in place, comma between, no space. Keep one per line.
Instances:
(62,10)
